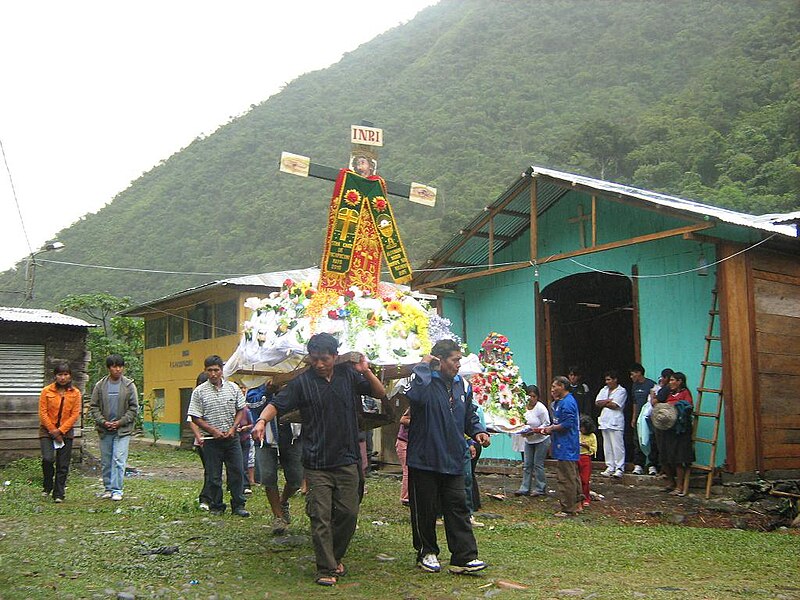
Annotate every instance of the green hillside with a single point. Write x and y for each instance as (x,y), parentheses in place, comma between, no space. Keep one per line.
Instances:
(695,98)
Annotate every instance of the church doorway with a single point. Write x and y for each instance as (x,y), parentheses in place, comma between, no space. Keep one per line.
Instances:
(590,321)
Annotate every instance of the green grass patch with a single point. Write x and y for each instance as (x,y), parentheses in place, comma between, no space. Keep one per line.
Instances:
(88,547)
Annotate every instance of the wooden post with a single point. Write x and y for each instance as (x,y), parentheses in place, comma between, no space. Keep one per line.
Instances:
(491,241)
(534,218)
(637,336)
(594,221)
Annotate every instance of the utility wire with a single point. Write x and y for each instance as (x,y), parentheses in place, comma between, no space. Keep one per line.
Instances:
(454,268)
(134,270)
(16,201)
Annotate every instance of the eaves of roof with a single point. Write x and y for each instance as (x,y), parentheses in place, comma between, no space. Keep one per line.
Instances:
(508,217)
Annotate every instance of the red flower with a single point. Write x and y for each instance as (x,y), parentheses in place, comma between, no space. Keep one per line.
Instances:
(309,293)
(288,283)
(349,294)
(352,197)
(332,314)
(512,421)
(380,203)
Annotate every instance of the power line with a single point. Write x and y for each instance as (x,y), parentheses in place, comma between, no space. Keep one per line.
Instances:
(16,201)
(454,268)
(135,270)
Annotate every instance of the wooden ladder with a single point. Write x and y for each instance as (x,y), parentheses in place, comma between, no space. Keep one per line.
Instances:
(709,398)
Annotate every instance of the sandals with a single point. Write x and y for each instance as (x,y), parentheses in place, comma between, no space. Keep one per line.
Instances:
(563,514)
(677,492)
(326,580)
(340,571)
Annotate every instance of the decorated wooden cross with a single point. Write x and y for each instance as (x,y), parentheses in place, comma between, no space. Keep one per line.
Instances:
(361,223)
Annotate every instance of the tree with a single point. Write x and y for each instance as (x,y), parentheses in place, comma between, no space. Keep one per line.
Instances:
(98,307)
(119,335)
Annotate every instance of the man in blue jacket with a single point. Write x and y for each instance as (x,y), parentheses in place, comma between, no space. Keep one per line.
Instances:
(565,447)
(442,418)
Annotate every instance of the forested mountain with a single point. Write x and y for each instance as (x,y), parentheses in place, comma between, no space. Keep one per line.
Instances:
(697,98)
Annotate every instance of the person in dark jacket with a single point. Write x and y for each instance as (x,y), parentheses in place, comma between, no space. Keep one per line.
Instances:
(114,407)
(442,418)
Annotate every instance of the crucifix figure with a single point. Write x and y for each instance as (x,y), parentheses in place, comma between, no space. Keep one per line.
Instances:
(361,224)
(580,220)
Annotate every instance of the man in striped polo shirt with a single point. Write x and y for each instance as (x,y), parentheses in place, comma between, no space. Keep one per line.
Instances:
(217,407)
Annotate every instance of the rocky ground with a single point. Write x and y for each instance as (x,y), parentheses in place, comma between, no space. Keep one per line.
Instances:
(634,500)
(639,500)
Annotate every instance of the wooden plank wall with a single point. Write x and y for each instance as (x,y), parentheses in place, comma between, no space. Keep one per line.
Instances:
(740,392)
(776,294)
(19,415)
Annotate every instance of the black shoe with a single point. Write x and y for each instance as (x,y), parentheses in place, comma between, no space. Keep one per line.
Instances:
(218,512)
(240,511)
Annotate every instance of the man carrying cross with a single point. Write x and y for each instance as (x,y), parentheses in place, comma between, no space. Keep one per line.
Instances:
(328,396)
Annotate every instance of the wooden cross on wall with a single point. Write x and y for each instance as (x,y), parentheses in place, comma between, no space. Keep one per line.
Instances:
(365,141)
(580,220)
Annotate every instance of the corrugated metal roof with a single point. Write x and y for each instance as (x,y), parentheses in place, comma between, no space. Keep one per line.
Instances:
(273,279)
(765,222)
(468,250)
(268,281)
(37,315)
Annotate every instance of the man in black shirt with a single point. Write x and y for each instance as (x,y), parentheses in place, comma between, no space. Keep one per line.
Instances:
(329,399)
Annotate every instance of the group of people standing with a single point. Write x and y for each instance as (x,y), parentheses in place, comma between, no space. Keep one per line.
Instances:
(567,431)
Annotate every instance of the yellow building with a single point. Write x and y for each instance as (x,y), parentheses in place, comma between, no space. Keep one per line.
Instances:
(182,329)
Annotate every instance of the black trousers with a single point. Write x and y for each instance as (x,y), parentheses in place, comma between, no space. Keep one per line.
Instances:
(55,466)
(429,492)
(227,452)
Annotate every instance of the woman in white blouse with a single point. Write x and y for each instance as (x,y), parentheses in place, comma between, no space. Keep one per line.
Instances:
(536,446)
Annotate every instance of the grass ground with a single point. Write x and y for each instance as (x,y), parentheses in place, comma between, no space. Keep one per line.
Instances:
(93,548)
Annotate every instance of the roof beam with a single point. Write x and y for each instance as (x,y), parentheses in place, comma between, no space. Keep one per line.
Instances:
(650,237)
(473,275)
(490,212)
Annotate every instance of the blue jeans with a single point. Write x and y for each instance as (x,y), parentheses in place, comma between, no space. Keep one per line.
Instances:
(534,466)
(114,456)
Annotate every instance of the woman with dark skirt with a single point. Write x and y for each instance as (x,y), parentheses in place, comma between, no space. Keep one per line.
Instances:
(675,446)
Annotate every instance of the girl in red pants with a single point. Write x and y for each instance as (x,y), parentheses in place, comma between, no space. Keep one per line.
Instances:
(588,443)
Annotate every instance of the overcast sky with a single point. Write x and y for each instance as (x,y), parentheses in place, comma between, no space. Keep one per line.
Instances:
(95,93)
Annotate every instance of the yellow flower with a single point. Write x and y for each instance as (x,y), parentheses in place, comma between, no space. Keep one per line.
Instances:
(395,306)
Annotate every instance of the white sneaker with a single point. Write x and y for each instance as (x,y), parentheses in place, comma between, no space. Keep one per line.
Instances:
(106,495)
(619,473)
(638,470)
(116,496)
(429,563)
(204,506)
(607,473)
(472,566)
(474,522)
(651,470)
